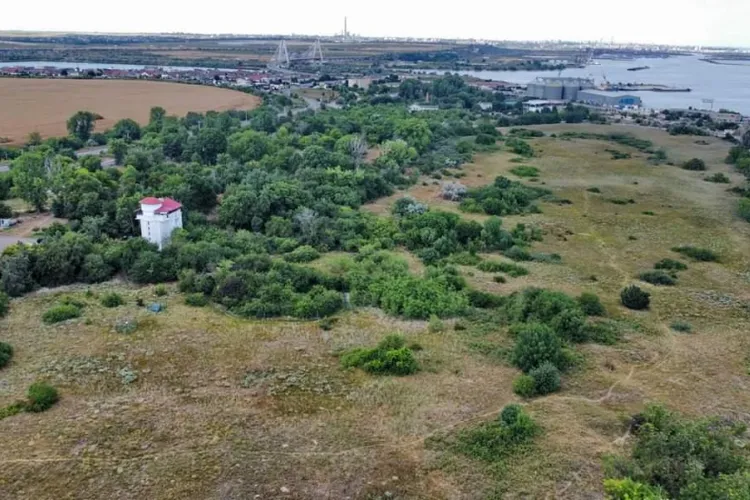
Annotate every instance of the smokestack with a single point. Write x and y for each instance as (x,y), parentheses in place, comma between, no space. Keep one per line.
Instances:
(346,33)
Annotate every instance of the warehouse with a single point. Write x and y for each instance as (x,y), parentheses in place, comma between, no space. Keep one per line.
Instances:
(609,99)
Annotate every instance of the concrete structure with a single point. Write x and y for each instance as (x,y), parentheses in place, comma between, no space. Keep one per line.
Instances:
(609,99)
(158,218)
(417,108)
(557,89)
(537,105)
(485,106)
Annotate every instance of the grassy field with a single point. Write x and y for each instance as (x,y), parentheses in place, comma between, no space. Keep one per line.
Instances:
(45,105)
(229,408)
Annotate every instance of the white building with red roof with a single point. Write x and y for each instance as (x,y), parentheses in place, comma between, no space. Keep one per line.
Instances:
(158,218)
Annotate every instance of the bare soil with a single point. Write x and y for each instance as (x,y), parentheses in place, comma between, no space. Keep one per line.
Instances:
(44,105)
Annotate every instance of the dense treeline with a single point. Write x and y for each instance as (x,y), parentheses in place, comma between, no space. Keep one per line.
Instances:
(262,192)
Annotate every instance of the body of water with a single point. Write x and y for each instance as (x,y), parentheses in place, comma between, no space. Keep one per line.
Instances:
(84,65)
(728,85)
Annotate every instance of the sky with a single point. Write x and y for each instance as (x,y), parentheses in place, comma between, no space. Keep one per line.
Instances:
(675,22)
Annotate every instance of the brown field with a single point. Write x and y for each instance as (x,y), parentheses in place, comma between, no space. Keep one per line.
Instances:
(225,408)
(45,105)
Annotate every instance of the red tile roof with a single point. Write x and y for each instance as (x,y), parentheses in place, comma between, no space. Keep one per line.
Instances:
(166,205)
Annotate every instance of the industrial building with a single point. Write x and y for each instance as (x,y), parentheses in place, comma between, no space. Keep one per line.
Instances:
(609,99)
(558,89)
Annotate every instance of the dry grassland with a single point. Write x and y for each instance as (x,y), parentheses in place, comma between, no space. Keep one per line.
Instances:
(44,105)
(227,408)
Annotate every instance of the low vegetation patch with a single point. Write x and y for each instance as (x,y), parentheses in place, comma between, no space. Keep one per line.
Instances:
(525,171)
(391,357)
(502,197)
(61,312)
(681,326)
(676,457)
(493,266)
(696,253)
(618,155)
(643,145)
(658,277)
(718,178)
(670,265)
(525,132)
(621,201)
(633,297)
(6,352)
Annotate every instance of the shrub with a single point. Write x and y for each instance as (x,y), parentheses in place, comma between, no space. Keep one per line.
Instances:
(160,290)
(305,253)
(537,344)
(41,396)
(496,440)
(390,357)
(696,459)
(569,325)
(61,312)
(196,300)
(6,352)
(594,190)
(591,305)
(499,278)
(484,300)
(518,254)
(670,265)
(648,212)
(627,489)
(633,297)
(681,326)
(4,304)
(523,385)
(657,277)
(743,208)
(718,178)
(694,164)
(546,378)
(695,253)
(112,300)
(525,171)
(435,325)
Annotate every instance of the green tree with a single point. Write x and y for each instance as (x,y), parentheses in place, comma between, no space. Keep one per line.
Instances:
(81,124)
(156,118)
(127,130)
(30,179)
(118,148)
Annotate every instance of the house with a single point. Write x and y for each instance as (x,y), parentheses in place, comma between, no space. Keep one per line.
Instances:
(158,218)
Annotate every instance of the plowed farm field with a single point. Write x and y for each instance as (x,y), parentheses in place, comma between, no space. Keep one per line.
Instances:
(44,106)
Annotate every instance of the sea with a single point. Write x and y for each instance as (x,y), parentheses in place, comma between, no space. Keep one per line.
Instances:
(713,86)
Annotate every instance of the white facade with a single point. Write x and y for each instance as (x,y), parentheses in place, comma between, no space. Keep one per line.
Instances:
(158,218)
